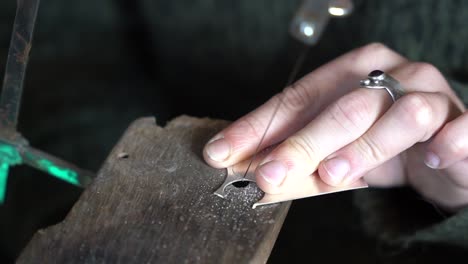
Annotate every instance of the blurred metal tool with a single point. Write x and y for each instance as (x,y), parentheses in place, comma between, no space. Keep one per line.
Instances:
(307,27)
(312,18)
(14,148)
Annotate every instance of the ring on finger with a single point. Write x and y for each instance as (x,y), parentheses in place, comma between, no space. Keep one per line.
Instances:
(380,80)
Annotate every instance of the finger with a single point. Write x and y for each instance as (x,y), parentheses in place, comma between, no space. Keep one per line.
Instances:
(450,145)
(338,125)
(299,104)
(389,174)
(298,156)
(417,76)
(413,118)
(445,187)
(450,192)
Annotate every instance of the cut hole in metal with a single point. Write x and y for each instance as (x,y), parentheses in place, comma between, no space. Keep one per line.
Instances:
(241,184)
(122,155)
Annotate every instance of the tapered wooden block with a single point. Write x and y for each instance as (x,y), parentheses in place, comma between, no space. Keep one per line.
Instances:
(153,202)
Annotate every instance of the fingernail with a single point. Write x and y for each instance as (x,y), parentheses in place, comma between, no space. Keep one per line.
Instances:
(273,172)
(218,150)
(337,169)
(432,160)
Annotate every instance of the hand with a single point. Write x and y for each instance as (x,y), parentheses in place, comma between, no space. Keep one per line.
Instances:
(329,126)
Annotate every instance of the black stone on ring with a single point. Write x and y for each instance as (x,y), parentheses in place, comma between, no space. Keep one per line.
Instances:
(378,79)
(375,73)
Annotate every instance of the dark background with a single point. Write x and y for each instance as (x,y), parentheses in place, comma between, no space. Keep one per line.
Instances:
(97,65)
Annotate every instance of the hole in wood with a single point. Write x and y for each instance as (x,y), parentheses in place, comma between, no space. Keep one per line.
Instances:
(241,184)
(122,155)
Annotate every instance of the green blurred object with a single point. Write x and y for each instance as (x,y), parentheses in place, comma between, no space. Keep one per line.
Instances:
(64,174)
(9,156)
(3,180)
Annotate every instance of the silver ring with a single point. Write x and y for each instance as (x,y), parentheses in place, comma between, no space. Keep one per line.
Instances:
(379,80)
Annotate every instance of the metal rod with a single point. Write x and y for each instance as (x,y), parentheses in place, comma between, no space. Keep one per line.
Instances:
(18,55)
(55,166)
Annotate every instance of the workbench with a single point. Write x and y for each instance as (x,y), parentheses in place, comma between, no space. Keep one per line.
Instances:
(152,202)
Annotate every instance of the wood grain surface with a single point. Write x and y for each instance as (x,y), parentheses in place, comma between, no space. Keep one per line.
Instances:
(153,202)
